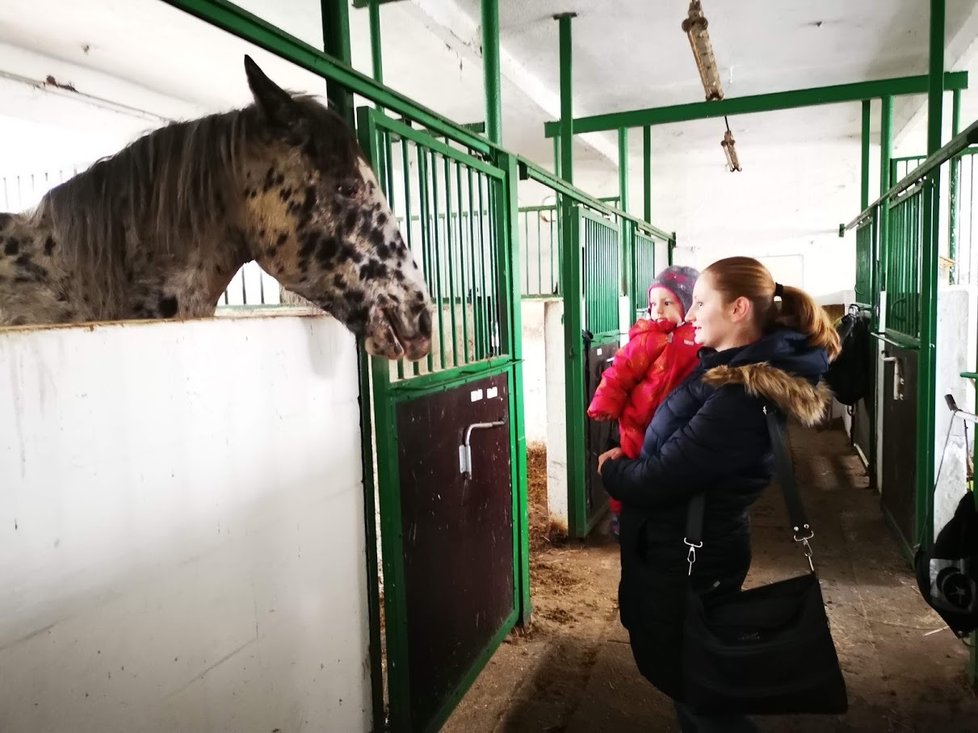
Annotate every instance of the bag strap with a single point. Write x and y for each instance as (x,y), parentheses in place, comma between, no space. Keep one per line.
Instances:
(801,527)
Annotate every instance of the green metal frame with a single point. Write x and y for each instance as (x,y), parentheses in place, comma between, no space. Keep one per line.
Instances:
(574,372)
(245,25)
(601,249)
(730,106)
(373,126)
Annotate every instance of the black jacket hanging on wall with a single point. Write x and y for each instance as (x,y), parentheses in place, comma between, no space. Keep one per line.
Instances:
(709,435)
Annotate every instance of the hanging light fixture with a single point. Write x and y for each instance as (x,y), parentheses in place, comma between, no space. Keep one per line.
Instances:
(695,27)
(728,149)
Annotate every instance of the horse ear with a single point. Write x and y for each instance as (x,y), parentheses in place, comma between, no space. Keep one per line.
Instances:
(272,100)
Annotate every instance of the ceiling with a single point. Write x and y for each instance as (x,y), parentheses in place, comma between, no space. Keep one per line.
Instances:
(628,54)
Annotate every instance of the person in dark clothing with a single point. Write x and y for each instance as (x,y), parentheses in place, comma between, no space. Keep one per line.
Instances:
(763,343)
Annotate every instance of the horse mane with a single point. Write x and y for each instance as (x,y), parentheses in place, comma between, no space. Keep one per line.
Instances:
(165,191)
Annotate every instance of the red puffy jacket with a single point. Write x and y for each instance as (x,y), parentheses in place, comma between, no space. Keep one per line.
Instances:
(658,356)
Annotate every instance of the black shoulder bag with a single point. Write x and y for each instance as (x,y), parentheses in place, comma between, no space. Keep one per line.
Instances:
(766,650)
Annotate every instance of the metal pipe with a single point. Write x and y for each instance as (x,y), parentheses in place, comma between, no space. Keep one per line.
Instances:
(647,172)
(566,100)
(376,45)
(864,159)
(490,70)
(928,284)
(954,203)
(336,42)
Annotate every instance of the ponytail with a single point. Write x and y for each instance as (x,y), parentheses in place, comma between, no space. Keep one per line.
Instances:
(745,277)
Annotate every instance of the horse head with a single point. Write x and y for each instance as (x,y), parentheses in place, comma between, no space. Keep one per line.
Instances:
(318,221)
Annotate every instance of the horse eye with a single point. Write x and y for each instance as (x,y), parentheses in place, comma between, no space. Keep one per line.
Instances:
(346,188)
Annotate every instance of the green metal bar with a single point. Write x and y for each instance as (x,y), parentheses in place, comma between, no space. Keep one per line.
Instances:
(647,171)
(509,215)
(566,98)
(928,285)
(526,248)
(570,278)
(461,261)
(476,320)
(962,140)
(440,299)
(428,384)
(557,156)
(335,15)
(539,255)
(406,174)
(376,42)
(388,479)
(450,247)
(730,106)
(954,203)
(864,166)
(529,169)
(623,169)
(425,220)
(245,25)
(483,295)
(883,222)
(428,141)
(490,70)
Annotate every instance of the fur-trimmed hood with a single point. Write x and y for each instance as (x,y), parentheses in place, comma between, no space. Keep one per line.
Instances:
(781,367)
(796,396)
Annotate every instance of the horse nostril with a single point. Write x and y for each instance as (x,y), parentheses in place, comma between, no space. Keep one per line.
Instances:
(424,323)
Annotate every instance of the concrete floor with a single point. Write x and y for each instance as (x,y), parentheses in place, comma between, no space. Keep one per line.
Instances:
(573,671)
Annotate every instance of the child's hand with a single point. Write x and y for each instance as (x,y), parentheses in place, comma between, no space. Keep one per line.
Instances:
(609,455)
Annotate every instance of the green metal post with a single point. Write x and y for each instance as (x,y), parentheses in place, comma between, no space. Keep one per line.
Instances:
(557,156)
(510,210)
(771,102)
(490,69)
(623,169)
(376,44)
(928,286)
(336,42)
(626,232)
(954,203)
(566,98)
(647,171)
(571,288)
(883,213)
(864,159)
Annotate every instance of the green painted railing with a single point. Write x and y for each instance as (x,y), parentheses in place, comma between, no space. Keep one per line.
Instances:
(866,233)
(599,244)
(447,203)
(540,250)
(648,255)
(902,264)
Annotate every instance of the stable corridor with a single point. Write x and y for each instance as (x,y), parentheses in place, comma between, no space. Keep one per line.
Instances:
(572,671)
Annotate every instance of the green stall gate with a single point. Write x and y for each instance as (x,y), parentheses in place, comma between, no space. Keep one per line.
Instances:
(449,437)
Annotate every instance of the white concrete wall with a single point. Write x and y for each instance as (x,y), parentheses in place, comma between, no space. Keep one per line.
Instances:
(534,370)
(556,412)
(955,325)
(181,528)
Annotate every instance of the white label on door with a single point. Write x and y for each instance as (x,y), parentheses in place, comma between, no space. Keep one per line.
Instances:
(492,392)
(599,352)
(476,395)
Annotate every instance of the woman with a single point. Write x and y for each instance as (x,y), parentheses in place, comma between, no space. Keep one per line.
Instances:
(763,342)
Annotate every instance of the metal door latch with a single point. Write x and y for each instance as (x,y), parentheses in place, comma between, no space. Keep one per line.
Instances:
(465,450)
(898,380)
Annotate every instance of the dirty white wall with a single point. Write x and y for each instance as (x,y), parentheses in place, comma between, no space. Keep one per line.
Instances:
(181,528)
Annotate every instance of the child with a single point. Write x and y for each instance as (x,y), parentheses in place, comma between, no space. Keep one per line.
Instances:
(660,354)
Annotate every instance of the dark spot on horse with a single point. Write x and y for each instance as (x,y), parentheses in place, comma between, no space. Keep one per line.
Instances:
(371,187)
(356,296)
(283,237)
(5,219)
(328,249)
(381,219)
(285,194)
(399,275)
(305,211)
(373,270)
(168,306)
(30,270)
(261,233)
(252,193)
(269,181)
(12,246)
(376,238)
(383,251)
(358,316)
(279,179)
(49,245)
(309,242)
(350,222)
(303,265)
(339,283)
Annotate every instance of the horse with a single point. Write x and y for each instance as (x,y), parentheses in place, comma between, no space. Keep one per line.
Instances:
(158,230)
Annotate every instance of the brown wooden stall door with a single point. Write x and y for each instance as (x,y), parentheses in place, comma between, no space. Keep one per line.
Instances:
(457,535)
(597,434)
(899,469)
